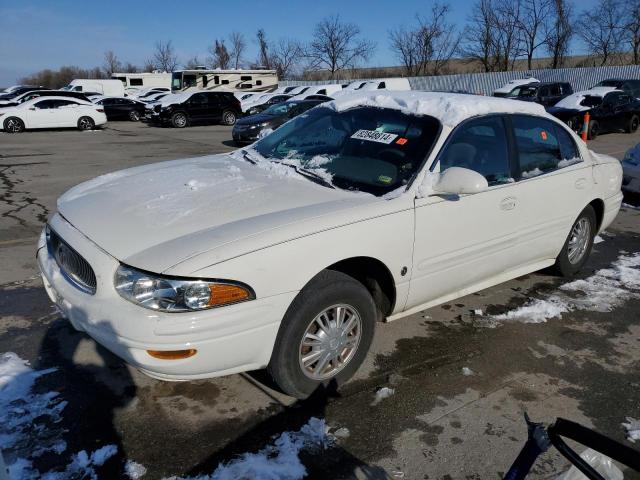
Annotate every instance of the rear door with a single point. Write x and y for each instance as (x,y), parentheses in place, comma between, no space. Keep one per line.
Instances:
(67,113)
(461,241)
(553,185)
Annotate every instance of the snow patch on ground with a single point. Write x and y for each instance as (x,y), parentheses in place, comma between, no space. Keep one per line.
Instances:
(601,292)
(134,470)
(632,426)
(382,393)
(467,372)
(598,239)
(278,461)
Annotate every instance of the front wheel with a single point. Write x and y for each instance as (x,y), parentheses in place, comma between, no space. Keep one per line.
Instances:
(134,116)
(577,247)
(179,120)
(324,336)
(633,124)
(85,123)
(13,125)
(229,118)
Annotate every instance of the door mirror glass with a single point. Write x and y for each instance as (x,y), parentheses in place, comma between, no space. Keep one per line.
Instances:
(458,181)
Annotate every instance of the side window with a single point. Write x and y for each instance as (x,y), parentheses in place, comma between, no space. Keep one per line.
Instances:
(198,99)
(539,146)
(544,92)
(568,150)
(65,103)
(555,89)
(479,145)
(135,82)
(45,104)
(624,99)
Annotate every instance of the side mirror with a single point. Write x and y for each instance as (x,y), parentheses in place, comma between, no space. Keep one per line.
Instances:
(458,180)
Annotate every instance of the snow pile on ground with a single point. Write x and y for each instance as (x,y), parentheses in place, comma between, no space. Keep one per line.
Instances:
(632,426)
(382,393)
(279,461)
(601,292)
(467,372)
(134,470)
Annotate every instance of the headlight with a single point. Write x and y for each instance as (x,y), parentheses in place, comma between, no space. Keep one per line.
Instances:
(166,294)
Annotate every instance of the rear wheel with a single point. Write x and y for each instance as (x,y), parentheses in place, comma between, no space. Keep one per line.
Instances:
(228,117)
(594,130)
(86,123)
(577,247)
(13,125)
(324,336)
(134,116)
(179,120)
(633,124)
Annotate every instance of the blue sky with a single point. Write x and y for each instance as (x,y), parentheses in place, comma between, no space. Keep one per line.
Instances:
(47,34)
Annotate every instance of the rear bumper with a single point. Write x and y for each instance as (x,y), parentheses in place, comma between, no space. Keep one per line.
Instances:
(612,206)
(228,340)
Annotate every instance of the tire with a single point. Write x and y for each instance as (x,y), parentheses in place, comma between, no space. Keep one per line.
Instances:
(229,118)
(13,125)
(633,124)
(594,130)
(576,249)
(574,123)
(86,123)
(134,116)
(324,295)
(179,120)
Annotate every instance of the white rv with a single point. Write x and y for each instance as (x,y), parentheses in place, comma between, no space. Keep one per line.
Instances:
(224,80)
(108,88)
(143,80)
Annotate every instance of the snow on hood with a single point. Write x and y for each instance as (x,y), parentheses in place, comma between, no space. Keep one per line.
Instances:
(173,98)
(449,108)
(190,206)
(514,83)
(573,101)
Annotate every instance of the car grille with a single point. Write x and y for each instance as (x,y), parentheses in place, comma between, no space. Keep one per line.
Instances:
(72,265)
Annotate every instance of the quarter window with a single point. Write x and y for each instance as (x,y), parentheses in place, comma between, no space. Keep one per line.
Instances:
(542,146)
(479,145)
(135,82)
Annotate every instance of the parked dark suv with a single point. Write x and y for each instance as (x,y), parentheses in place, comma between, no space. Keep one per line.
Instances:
(199,107)
(546,93)
(632,87)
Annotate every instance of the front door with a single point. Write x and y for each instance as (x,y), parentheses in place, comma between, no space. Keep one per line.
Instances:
(463,240)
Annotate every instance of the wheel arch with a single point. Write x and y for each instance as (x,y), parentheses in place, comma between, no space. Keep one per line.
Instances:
(375,276)
(598,206)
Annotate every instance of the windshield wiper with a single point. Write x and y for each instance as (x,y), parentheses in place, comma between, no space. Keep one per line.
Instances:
(247,157)
(313,176)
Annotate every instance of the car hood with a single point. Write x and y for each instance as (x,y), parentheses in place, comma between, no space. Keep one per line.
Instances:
(156,216)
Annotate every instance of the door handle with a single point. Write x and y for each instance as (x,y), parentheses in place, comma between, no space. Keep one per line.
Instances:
(508,203)
(581,183)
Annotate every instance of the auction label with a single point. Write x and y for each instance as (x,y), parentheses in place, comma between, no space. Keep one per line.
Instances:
(373,136)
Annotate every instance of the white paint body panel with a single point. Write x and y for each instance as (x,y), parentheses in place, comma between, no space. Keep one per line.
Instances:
(222,217)
(62,117)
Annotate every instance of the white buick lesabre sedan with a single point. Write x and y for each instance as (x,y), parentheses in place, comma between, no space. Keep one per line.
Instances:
(286,254)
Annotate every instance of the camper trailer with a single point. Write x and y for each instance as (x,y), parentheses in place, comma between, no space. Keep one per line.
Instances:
(132,81)
(224,80)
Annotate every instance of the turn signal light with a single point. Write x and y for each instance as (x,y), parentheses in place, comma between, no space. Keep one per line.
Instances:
(223,294)
(172,354)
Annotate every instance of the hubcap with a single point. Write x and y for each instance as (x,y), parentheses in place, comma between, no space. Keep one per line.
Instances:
(330,342)
(13,125)
(230,119)
(181,120)
(85,124)
(579,240)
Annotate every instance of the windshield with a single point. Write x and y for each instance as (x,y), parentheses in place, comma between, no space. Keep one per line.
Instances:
(176,81)
(610,83)
(523,92)
(591,101)
(374,150)
(280,108)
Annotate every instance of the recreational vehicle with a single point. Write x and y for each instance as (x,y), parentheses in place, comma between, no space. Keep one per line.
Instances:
(224,80)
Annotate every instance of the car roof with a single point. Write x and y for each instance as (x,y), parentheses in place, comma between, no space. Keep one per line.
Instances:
(449,108)
(69,99)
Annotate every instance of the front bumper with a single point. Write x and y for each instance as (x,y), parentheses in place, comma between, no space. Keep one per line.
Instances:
(228,339)
(245,135)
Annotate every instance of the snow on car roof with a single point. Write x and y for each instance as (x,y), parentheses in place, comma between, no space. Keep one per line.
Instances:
(573,101)
(61,97)
(511,84)
(449,108)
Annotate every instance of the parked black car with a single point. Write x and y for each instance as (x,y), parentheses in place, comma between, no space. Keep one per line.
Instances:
(613,111)
(199,107)
(271,101)
(42,93)
(117,108)
(248,129)
(19,91)
(546,93)
(632,87)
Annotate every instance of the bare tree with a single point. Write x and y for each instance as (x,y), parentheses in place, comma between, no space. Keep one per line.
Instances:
(601,30)
(192,63)
(337,45)
(164,57)
(532,26)
(264,59)
(405,46)
(559,32)
(238,46)
(508,18)
(285,56)
(111,63)
(632,29)
(129,68)
(219,55)
(480,39)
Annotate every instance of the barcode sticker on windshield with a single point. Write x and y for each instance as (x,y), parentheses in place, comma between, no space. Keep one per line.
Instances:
(374,136)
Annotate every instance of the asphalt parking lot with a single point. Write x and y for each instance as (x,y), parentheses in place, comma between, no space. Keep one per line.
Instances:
(440,423)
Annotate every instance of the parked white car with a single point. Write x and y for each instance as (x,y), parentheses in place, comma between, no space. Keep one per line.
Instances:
(631,169)
(286,254)
(508,87)
(52,112)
